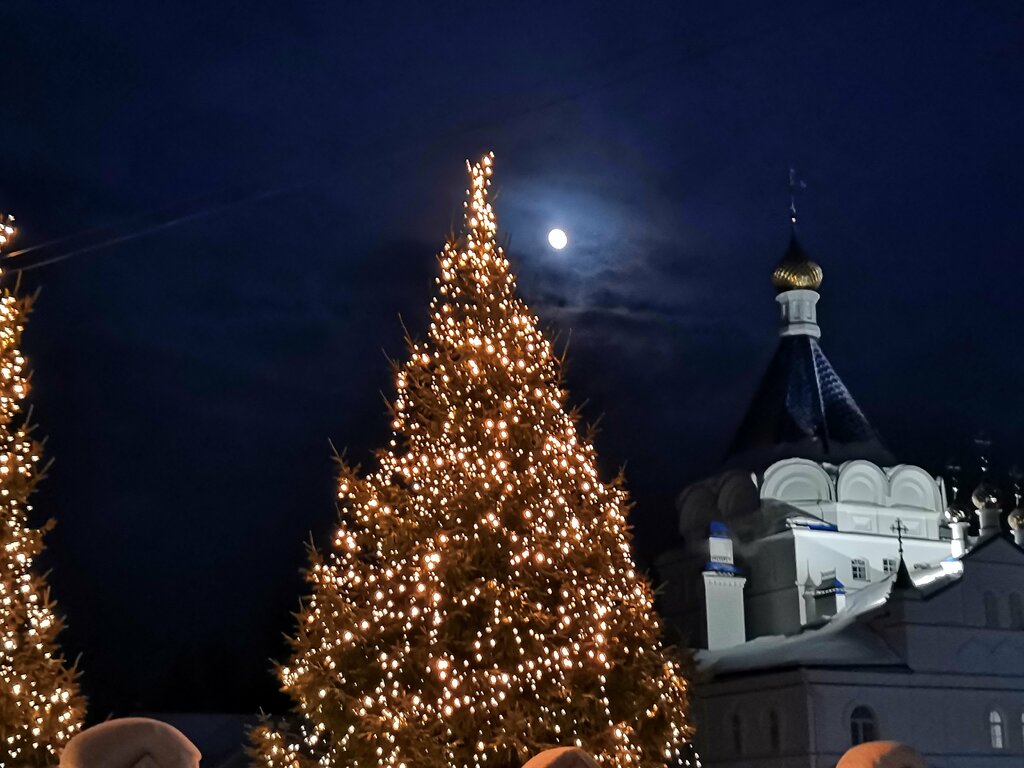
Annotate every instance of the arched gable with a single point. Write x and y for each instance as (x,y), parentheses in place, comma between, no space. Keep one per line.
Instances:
(911,486)
(862,482)
(797,481)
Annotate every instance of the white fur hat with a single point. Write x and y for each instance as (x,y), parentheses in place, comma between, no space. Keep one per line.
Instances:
(132,742)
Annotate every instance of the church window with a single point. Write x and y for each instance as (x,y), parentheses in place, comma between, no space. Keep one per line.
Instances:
(862,726)
(991,609)
(774,735)
(995,729)
(1016,611)
(859,567)
(737,735)
(889,565)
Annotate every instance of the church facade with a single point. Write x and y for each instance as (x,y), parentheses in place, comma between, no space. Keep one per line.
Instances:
(835,596)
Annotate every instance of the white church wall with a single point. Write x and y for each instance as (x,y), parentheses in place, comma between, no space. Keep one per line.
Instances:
(718,710)
(863,518)
(969,650)
(780,565)
(817,552)
(967,627)
(816,705)
(944,717)
(772,613)
(770,564)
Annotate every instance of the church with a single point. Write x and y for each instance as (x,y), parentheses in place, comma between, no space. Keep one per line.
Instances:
(834,595)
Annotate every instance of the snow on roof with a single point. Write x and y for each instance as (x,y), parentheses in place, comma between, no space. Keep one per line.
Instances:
(843,640)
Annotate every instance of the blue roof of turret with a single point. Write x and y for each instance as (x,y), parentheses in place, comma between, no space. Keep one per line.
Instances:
(802,409)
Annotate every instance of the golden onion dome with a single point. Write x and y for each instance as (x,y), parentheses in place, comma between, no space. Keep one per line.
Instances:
(795,270)
(955,513)
(1016,519)
(985,496)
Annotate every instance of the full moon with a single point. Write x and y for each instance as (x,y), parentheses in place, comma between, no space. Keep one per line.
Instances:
(558,239)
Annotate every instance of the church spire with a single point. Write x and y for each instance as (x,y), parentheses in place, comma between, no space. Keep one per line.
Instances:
(797,278)
(802,409)
(796,184)
(903,580)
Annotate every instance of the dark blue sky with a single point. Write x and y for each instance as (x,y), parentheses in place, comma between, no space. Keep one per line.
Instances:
(189,380)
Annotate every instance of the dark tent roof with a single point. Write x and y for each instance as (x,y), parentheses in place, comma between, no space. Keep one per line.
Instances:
(802,409)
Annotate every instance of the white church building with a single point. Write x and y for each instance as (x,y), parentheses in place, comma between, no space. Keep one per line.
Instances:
(836,596)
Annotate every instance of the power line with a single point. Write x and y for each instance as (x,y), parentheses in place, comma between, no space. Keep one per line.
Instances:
(114,239)
(622,73)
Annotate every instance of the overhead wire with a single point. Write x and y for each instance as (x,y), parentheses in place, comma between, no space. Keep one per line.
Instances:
(621,74)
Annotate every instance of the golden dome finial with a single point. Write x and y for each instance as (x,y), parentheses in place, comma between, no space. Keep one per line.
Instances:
(795,270)
(985,496)
(1016,519)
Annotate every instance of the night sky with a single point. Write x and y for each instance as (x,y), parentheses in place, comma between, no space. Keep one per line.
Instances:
(278,177)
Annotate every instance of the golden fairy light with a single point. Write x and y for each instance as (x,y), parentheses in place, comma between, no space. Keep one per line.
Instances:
(7,230)
(479,602)
(40,706)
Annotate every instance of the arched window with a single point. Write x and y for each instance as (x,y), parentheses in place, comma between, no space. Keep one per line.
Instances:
(991,609)
(1016,611)
(995,730)
(862,726)
(774,735)
(737,735)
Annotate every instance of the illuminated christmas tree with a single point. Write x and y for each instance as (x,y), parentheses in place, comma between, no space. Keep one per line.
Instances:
(40,706)
(479,602)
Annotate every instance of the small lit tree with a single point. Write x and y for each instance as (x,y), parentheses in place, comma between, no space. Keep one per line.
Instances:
(40,706)
(479,602)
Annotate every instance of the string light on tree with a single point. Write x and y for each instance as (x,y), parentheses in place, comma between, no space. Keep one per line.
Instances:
(40,706)
(479,601)
(6,230)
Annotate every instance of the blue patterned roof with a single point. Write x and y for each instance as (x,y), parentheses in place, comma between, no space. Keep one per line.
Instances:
(802,409)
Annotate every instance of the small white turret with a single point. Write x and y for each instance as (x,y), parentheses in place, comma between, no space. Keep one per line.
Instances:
(958,544)
(956,517)
(723,592)
(799,313)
